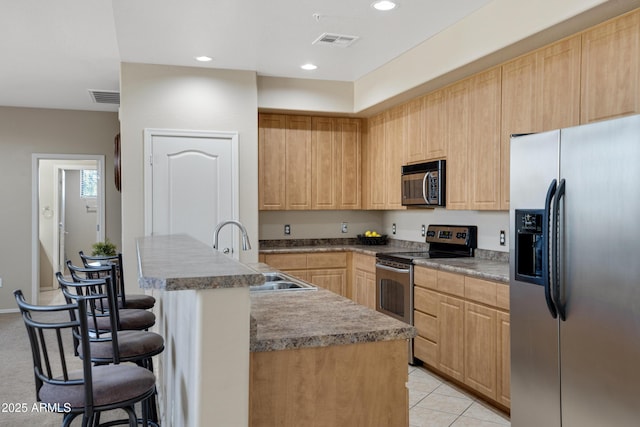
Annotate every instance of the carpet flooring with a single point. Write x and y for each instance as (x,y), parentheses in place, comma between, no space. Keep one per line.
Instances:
(18,404)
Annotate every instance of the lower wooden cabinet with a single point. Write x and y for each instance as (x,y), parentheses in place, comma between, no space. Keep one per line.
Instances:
(325,269)
(463,330)
(364,280)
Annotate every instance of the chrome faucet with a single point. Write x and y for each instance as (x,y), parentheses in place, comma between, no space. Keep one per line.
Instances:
(245,237)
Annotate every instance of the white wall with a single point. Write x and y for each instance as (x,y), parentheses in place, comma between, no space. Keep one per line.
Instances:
(170,97)
(491,28)
(317,224)
(326,224)
(305,95)
(408,224)
(24,131)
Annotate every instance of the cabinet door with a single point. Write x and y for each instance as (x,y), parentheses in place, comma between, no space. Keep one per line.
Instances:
(451,336)
(376,164)
(558,85)
(334,280)
(395,140)
(484,140)
(415,147)
(365,288)
(349,145)
(518,111)
(480,367)
(457,149)
(325,158)
(298,162)
(271,165)
(610,69)
(435,125)
(504,359)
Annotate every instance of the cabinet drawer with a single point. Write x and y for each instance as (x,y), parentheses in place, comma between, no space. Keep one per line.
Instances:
(425,301)
(426,325)
(426,351)
(481,291)
(329,259)
(451,283)
(502,300)
(286,261)
(425,277)
(364,262)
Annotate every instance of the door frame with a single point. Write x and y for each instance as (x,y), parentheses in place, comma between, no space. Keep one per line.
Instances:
(35,207)
(58,170)
(150,133)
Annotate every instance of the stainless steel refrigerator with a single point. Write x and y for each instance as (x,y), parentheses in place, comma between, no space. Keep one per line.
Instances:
(575,276)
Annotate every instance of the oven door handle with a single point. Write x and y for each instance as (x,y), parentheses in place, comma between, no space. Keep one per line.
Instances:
(395,270)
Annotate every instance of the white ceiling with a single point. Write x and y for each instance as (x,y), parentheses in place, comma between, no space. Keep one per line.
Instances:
(54,52)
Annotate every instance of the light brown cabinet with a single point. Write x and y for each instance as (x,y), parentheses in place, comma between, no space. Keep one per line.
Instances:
(309,163)
(384,154)
(364,280)
(473,157)
(463,330)
(326,269)
(272,130)
(540,92)
(336,168)
(611,69)
(284,162)
(426,128)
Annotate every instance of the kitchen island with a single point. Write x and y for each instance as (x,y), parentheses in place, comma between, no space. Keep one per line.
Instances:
(306,358)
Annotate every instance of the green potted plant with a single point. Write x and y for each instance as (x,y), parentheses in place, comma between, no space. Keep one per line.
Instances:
(105,248)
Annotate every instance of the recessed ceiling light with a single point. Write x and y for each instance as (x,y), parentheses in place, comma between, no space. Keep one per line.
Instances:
(203,58)
(383,5)
(309,67)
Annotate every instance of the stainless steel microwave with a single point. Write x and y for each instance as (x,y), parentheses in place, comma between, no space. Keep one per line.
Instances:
(423,184)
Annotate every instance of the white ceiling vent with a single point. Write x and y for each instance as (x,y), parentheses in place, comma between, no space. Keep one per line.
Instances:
(105,96)
(340,40)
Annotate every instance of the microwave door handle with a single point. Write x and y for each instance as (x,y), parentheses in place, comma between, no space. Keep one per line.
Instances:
(425,194)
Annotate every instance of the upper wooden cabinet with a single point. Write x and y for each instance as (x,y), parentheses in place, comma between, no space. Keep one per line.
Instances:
(272,131)
(611,69)
(309,163)
(473,155)
(426,128)
(383,157)
(284,162)
(540,92)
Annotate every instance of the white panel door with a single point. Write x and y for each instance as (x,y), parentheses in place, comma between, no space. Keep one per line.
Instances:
(193,185)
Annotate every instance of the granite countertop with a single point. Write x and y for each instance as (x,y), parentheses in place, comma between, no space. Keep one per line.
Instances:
(320,318)
(497,271)
(488,265)
(180,262)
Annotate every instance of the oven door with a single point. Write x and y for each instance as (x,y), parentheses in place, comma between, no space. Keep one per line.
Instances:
(394,295)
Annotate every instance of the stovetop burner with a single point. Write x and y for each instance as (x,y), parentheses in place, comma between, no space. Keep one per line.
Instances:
(445,241)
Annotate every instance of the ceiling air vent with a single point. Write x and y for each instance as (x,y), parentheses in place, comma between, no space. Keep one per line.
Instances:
(340,40)
(105,96)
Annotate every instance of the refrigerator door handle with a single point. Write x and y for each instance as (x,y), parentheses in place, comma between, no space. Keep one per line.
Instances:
(545,249)
(555,256)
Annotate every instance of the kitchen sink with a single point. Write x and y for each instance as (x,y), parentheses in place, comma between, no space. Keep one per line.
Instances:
(275,281)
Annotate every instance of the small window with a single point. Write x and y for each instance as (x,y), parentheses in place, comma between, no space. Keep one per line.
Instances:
(88,183)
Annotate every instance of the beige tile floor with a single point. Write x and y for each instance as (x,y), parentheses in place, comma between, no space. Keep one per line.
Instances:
(434,402)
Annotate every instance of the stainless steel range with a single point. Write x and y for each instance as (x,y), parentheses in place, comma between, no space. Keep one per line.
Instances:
(394,270)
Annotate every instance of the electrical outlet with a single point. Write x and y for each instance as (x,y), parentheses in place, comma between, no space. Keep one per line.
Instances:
(343,227)
(503,239)
(423,230)
(287,229)
(393,228)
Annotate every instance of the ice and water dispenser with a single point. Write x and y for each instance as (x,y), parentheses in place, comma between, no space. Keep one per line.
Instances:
(530,243)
